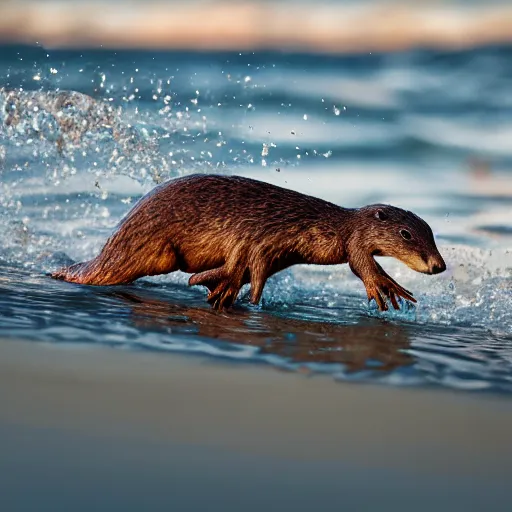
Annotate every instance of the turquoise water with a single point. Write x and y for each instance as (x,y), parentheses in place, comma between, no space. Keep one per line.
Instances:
(425,130)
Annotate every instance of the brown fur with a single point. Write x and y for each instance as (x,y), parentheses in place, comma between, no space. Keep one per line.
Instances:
(230,230)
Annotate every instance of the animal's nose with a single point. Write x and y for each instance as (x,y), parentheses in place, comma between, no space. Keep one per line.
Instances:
(437,266)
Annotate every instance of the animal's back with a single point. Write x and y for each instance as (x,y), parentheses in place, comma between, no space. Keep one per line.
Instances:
(198,205)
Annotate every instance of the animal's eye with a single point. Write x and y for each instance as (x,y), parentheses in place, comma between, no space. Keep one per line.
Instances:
(381,215)
(405,234)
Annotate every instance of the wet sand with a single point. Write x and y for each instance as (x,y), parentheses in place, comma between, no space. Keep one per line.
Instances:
(103,429)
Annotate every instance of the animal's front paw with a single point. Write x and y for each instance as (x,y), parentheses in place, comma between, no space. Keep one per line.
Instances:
(383,287)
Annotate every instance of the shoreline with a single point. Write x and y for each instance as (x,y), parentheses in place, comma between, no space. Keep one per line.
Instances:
(54,380)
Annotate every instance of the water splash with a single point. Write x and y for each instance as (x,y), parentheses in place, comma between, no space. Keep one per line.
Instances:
(475,291)
(74,126)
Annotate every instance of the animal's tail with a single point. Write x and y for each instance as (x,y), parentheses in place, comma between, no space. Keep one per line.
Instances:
(125,258)
(82,273)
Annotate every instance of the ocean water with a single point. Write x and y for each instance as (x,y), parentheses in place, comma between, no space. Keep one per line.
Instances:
(426,130)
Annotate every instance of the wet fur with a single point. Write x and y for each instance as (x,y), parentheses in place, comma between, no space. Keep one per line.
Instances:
(228,231)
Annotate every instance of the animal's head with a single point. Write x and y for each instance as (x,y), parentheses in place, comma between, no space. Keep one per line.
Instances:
(402,235)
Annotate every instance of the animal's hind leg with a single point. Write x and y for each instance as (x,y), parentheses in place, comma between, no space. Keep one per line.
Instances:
(223,286)
(222,293)
(209,278)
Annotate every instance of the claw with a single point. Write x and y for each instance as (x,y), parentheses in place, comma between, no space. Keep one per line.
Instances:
(399,287)
(384,288)
(222,296)
(394,302)
(377,295)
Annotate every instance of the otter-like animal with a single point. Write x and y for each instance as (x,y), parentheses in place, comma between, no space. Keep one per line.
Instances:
(230,230)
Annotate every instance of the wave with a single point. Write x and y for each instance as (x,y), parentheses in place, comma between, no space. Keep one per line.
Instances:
(493,140)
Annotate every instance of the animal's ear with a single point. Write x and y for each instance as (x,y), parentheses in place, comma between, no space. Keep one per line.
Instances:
(381,215)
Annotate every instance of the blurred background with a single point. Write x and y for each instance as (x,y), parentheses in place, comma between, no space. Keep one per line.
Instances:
(326,26)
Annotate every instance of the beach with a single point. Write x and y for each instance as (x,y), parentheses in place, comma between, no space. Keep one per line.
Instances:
(97,428)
